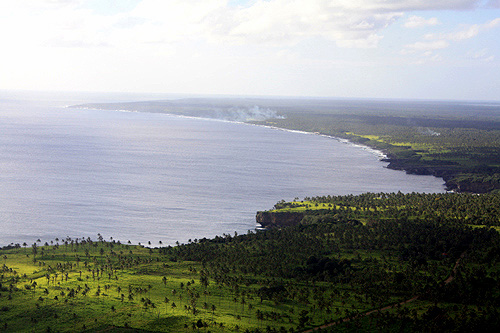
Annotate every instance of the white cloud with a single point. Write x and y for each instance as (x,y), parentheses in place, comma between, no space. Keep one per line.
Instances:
(418,21)
(467,32)
(493,23)
(481,55)
(416,5)
(428,59)
(444,40)
(470,32)
(38,5)
(183,45)
(349,23)
(281,21)
(426,46)
(368,42)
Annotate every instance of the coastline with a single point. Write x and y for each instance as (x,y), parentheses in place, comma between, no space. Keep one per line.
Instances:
(463,163)
(378,152)
(383,155)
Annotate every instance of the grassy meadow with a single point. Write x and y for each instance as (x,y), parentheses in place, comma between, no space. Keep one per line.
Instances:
(98,285)
(350,255)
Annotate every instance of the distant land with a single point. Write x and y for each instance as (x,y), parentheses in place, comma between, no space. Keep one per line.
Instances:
(455,140)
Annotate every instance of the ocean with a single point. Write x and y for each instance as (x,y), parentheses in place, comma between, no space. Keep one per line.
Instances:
(146,177)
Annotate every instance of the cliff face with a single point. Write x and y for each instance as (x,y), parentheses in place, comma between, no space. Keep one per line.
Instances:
(278,219)
(451,172)
(476,187)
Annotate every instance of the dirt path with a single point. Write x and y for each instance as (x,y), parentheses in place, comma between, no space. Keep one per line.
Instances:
(450,278)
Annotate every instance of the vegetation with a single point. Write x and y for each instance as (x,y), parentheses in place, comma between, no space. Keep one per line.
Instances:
(351,256)
(445,208)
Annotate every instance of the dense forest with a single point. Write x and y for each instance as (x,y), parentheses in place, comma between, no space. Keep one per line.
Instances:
(445,208)
(402,262)
(374,250)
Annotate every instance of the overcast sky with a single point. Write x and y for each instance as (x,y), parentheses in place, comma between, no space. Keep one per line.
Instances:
(424,49)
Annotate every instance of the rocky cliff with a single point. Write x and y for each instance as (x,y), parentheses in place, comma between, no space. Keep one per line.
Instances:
(278,219)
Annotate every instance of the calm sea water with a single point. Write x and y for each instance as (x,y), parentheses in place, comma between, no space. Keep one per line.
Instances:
(152,177)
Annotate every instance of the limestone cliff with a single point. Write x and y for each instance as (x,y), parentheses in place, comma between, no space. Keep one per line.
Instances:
(278,219)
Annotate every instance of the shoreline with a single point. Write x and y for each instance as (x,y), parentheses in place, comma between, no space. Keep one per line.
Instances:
(462,169)
(380,153)
(383,155)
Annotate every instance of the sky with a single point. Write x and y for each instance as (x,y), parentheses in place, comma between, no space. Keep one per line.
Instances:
(410,49)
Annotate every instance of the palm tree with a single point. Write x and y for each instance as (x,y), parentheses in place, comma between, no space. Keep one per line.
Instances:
(35,251)
(34,284)
(166,303)
(213,311)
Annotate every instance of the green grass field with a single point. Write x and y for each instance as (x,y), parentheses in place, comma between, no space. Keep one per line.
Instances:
(104,285)
(121,286)
(350,255)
